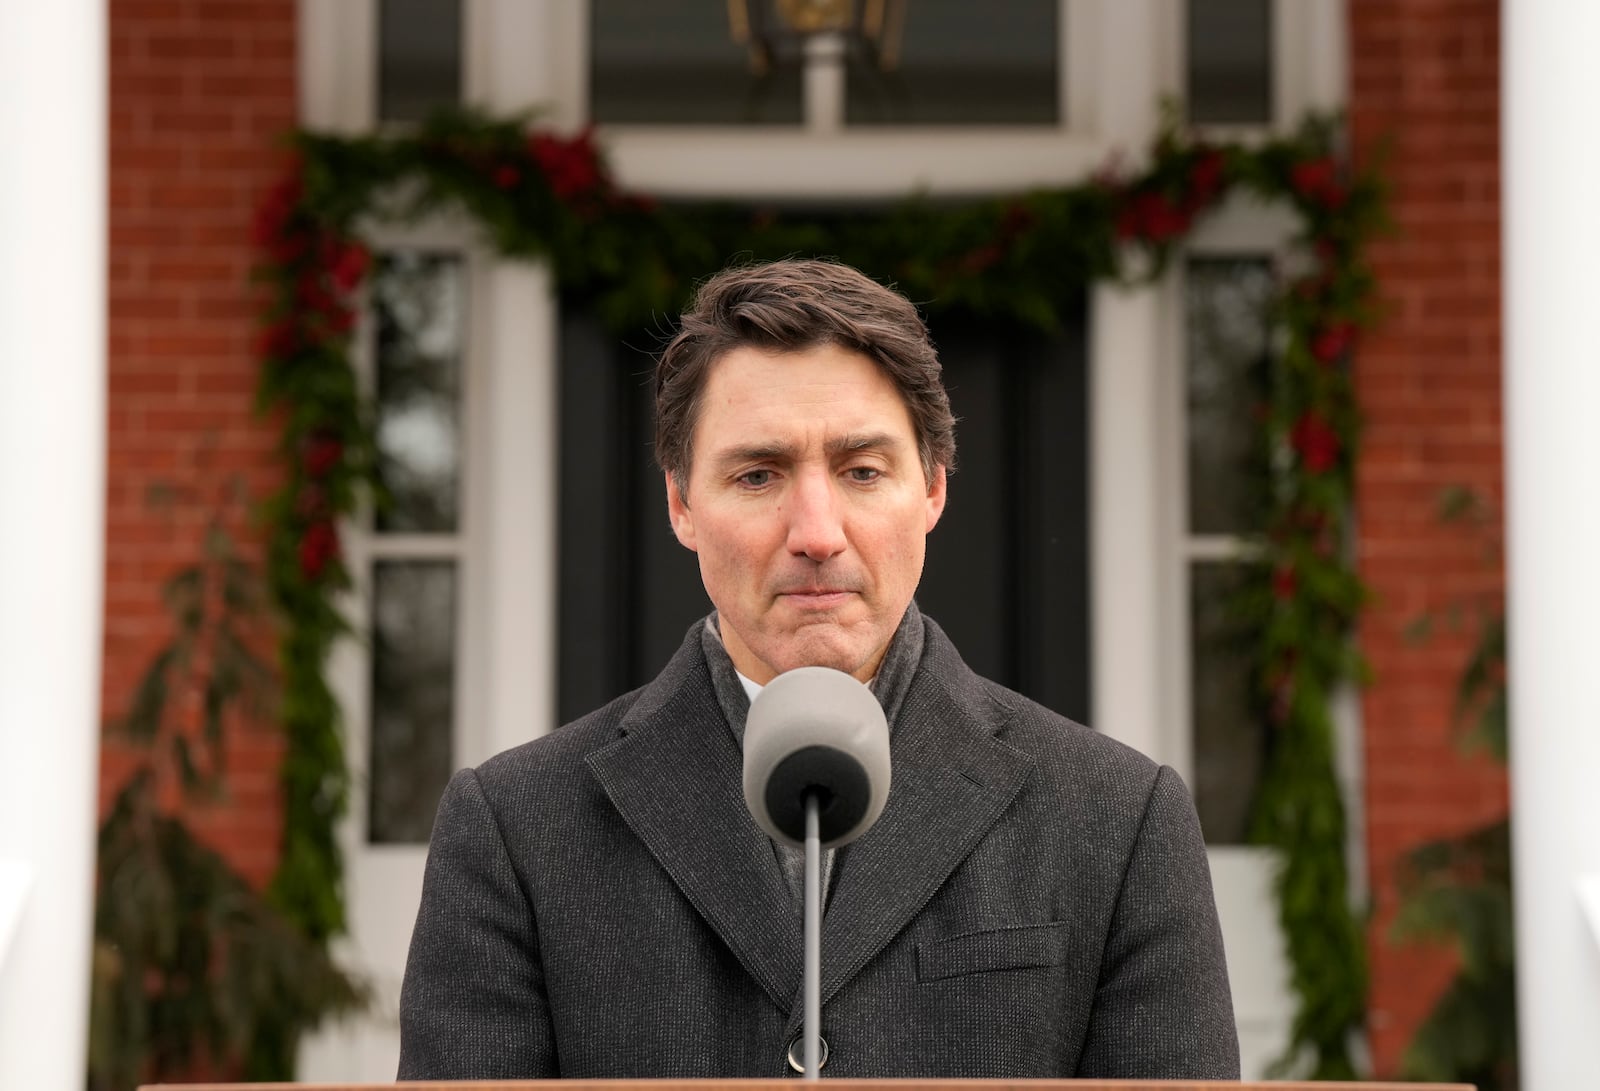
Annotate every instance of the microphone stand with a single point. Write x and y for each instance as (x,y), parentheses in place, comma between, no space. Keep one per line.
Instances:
(813,941)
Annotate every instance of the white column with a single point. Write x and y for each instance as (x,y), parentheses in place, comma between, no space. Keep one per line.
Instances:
(52,481)
(1131,38)
(1311,41)
(1552,391)
(1125,353)
(1126,535)
(521,323)
(525,56)
(338,50)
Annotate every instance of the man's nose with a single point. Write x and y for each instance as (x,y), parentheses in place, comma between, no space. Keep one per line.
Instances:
(816,523)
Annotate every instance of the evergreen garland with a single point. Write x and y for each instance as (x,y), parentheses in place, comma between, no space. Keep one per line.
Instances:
(632,260)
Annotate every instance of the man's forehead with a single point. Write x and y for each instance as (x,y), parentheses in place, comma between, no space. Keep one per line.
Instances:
(746,371)
(763,403)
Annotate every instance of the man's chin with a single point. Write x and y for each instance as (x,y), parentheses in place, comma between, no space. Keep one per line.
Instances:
(814,649)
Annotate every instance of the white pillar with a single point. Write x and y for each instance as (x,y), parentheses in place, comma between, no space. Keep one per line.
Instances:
(1125,355)
(521,323)
(1552,391)
(52,482)
(1126,533)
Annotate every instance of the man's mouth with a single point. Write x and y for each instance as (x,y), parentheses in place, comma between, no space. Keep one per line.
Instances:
(817,598)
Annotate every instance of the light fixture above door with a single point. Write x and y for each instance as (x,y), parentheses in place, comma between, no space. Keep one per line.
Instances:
(776,31)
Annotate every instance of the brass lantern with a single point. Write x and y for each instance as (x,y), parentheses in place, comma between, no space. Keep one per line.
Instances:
(873,27)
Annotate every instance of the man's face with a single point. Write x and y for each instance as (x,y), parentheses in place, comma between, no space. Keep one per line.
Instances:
(808,507)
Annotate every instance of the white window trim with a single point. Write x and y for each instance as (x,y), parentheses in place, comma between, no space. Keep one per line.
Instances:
(1241,873)
(1136,354)
(1309,71)
(1243,226)
(505,677)
(1309,48)
(505,547)
(350,671)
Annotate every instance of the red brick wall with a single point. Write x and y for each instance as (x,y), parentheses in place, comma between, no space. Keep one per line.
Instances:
(200,90)
(1425,80)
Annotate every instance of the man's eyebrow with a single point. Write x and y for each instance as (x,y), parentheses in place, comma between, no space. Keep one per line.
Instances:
(864,441)
(729,457)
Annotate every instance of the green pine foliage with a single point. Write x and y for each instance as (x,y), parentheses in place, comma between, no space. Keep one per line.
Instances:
(193,967)
(1457,890)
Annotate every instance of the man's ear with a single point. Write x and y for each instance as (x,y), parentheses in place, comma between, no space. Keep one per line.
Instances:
(936,497)
(680,515)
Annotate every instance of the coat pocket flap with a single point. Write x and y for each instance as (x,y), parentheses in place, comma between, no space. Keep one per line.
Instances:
(1013,948)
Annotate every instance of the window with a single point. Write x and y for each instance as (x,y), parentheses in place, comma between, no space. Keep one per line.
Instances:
(419,57)
(1229,48)
(415,549)
(654,63)
(413,696)
(960,63)
(1227,315)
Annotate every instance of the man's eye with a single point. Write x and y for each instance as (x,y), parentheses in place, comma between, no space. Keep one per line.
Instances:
(755,478)
(864,475)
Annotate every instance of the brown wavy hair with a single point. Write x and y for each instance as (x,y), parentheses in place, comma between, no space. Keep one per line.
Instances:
(791,306)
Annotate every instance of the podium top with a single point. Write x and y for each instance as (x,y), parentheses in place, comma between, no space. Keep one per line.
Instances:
(839,1085)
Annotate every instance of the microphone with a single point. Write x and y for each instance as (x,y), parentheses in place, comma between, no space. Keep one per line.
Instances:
(816,774)
(816,731)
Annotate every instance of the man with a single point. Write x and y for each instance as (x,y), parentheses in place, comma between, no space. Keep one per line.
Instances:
(1034,900)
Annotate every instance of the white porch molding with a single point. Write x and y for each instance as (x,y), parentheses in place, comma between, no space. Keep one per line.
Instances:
(1552,391)
(1125,356)
(521,321)
(52,478)
(1127,585)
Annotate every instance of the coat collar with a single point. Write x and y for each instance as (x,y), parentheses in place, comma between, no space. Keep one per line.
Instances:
(676,777)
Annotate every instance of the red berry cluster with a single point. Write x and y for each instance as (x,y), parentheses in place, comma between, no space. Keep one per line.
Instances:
(1165,210)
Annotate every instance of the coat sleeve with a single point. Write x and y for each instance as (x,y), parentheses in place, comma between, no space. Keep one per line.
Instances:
(473,1004)
(1162,1006)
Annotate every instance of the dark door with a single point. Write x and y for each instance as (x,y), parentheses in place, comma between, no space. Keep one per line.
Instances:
(1007,567)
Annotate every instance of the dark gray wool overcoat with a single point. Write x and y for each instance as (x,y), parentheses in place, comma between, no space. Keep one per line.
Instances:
(1034,901)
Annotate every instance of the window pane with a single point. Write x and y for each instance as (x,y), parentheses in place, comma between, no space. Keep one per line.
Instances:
(962,63)
(419,57)
(1228,342)
(661,62)
(418,300)
(1229,736)
(1230,62)
(413,696)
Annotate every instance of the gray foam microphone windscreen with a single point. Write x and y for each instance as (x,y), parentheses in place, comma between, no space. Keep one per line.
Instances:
(818,730)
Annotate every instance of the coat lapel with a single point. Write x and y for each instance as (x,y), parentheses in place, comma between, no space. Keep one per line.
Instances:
(951,780)
(676,777)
